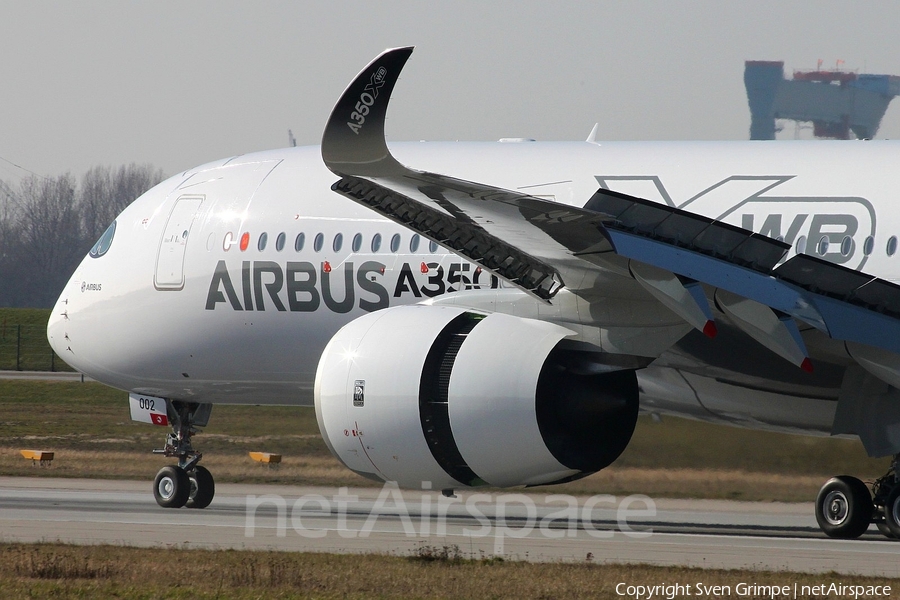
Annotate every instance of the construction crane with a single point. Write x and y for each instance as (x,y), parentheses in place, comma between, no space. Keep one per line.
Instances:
(837,102)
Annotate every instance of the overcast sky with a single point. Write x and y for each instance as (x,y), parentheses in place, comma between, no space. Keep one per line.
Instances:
(177,84)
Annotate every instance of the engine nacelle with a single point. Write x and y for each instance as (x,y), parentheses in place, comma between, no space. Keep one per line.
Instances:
(450,397)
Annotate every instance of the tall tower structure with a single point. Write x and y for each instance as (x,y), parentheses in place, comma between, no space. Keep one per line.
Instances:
(837,102)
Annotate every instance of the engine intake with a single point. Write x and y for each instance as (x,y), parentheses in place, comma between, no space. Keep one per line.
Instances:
(454,397)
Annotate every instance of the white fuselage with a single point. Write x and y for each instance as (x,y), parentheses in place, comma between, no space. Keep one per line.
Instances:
(177,309)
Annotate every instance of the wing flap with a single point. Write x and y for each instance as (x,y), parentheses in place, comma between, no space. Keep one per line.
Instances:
(683,228)
(881,295)
(823,277)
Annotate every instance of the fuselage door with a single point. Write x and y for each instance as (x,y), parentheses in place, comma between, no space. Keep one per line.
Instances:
(170,258)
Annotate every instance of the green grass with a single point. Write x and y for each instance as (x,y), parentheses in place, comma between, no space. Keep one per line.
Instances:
(23,341)
(88,427)
(59,571)
(73,415)
(682,443)
(25,316)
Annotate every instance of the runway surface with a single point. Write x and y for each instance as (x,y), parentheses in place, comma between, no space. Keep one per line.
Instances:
(45,376)
(535,527)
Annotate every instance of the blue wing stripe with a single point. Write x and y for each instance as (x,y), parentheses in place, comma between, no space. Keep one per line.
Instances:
(684,228)
(836,317)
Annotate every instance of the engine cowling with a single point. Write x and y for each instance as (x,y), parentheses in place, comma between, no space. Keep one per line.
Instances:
(454,397)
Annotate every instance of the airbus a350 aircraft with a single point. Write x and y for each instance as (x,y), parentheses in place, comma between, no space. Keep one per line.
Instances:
(498,313)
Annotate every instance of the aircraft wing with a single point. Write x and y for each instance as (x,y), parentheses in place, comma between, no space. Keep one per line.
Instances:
(543,246)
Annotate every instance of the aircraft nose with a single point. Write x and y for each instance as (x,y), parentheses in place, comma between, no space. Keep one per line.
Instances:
(57,333)
(78,323)
(55,329)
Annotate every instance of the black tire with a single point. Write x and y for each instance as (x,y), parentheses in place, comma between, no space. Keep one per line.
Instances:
(885,530)
(892,513)
(171,487)
(844,507)
(203,488)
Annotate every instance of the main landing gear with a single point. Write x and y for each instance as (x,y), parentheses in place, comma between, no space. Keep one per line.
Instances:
(845,508)
(187,483)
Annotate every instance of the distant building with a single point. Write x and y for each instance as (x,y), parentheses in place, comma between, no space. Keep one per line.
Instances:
(836,102)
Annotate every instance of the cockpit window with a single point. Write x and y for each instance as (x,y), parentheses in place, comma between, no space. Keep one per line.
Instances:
(105,241)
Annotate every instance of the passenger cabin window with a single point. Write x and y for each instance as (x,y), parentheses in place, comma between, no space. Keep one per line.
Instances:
(376,242)
(357,242)
(892,245)
(338,242)
(414,243)
(868,245)
(395,242)
(105,241)
(846,246)
(279,242)
(263,240)
(432,247)
(298,242)
(318,242)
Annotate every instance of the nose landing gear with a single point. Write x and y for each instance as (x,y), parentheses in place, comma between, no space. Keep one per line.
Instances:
(203,488)
(845,508)
(187,483)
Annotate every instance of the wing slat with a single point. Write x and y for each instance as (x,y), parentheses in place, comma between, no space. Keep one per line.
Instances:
(467,238)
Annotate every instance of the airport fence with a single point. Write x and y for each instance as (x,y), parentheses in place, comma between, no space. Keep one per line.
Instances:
(25,348)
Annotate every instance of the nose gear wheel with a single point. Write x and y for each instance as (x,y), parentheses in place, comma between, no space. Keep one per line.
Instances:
(187,483)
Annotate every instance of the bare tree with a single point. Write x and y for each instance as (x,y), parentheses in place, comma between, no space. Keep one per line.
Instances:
(9,242)
(94,197)
(51,240)
(48,225)
(105,192)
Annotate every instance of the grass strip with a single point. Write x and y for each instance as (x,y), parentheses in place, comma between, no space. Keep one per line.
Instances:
(88,426)
(23,341)
(63,571)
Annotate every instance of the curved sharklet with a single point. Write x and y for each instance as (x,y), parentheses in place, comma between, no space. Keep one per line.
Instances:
(353,147)
(353,142)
